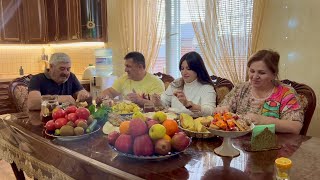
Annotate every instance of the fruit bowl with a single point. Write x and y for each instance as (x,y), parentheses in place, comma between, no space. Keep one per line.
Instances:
(151,158)
(196,134)
(73,138)
(227,148)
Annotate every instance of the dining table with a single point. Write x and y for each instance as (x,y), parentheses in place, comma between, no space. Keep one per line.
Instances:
(24,144)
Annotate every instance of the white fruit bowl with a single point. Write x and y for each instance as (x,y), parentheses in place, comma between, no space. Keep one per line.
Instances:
(227,148)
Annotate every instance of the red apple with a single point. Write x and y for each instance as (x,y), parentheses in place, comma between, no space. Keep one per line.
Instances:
(71,109)
(59,113)
(72,117)
(50,125)
(162,147)
(137,127)
(60,122)
(180,141)
(124,143)
(151,122)
(82,113)
(143,146)
(112,137)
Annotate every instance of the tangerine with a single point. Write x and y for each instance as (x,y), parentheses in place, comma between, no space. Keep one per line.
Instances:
(124,127)
(167,137)
(171,126)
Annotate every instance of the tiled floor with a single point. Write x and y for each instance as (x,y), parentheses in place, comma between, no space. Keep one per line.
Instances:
(6,172)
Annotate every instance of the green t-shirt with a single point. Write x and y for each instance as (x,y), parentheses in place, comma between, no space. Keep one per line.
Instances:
(150,84)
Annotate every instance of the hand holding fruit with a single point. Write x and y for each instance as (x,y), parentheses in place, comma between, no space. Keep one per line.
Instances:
(134,97)
(181,97)
(83,95)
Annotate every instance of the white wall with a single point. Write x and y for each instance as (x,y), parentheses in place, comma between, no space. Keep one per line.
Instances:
(292,27)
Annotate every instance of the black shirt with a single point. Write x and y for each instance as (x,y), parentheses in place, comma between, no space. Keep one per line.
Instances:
(43,83)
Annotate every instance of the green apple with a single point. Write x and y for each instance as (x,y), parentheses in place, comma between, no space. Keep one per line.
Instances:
(139,115)
(157,131)
(160,116)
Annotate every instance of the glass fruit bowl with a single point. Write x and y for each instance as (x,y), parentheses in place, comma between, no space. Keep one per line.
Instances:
(72,138)
(227,148)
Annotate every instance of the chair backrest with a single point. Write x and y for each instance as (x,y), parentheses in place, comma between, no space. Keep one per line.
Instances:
(166,79)
(222,86)
(18,92)
(308,101)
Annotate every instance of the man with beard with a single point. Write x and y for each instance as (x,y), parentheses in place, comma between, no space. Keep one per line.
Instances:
(137,85)
(58,80)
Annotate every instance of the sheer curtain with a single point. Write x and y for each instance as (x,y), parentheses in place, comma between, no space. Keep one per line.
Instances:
(135,25)
(227,33)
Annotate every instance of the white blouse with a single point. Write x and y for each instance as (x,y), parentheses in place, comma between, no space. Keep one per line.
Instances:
(203,95)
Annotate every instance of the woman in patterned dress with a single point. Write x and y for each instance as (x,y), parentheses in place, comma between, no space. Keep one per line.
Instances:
(264,100)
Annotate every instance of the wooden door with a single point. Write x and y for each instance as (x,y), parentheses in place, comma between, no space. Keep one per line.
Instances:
(35,21)
(10,21)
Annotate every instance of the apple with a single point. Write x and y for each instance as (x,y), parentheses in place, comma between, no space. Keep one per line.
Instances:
(143,146)
(139,115)
(160,116)
(60,122)
(162,147)
(151,122)
(71,109)
(137,127)
(157,131)
(112,137)
(124,143)
(72,117)
(180,141)
(50,126)
(82,113)
(78,120)
(58,113)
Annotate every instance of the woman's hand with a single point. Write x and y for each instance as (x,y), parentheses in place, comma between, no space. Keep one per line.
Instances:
(255,118)
(221,109)
(181,97)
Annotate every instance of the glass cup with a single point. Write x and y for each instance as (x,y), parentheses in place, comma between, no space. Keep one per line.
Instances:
(48,104)
(148,107)
(282,168)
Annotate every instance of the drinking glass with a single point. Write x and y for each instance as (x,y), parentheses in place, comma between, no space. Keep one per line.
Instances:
(48,103)
(148,107)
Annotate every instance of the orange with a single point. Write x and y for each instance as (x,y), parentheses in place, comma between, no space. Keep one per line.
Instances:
(167,137)
(124,127)
(171,126)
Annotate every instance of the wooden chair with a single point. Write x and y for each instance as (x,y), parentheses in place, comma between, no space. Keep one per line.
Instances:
(166,79)
(18,92)
(308,101)
(222,86)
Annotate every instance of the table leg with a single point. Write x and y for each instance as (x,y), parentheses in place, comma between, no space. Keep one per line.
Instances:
(18,173)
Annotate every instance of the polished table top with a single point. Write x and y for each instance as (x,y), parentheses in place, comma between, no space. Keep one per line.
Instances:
(92,158)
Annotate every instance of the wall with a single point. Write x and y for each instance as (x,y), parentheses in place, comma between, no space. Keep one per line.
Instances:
(29,57)
(292,28)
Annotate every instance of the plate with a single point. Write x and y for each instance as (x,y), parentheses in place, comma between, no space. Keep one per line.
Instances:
(196,134)
(231,134)
(73,138)
(151,158)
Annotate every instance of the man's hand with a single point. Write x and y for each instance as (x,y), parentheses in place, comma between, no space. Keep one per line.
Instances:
(181,97)
(83,95)
(134,97)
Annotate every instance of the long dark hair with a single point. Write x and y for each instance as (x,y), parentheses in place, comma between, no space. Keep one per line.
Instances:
(196,64)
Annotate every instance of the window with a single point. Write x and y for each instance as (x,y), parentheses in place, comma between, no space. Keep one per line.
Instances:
(180,36)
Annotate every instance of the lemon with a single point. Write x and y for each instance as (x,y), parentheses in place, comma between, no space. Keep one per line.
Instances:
(283,163)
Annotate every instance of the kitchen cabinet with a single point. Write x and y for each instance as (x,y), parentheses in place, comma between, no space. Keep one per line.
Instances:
(34,21)
(11,22)
(22,21)
(63,19)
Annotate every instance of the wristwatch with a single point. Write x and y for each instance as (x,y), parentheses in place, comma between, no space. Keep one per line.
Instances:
(188,105)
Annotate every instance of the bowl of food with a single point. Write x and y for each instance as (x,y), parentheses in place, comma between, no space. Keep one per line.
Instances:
(228,125)
(195,127)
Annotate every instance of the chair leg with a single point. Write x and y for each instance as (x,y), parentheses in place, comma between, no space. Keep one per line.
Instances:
(18,173)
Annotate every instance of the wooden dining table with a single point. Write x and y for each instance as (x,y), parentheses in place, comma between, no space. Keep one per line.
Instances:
(23,143)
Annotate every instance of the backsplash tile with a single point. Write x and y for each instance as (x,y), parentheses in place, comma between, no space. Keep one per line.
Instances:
(29,57)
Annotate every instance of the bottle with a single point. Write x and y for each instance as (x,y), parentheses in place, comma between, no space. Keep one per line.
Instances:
(282,168)
(21,71)
(104,65)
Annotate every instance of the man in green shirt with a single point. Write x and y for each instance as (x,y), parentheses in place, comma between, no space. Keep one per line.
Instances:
(137,85)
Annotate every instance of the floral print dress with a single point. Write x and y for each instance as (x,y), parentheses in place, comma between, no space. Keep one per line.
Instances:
(283,102)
